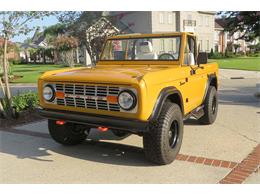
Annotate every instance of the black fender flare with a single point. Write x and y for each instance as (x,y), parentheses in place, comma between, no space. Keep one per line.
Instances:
(210,78)
(164,94)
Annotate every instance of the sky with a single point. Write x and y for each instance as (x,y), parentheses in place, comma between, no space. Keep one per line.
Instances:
(47,21)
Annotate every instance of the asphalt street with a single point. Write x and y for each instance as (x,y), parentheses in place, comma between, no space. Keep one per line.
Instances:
(28,155)
(21,88)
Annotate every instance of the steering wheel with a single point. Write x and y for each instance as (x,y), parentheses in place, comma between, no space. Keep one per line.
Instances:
(166,56)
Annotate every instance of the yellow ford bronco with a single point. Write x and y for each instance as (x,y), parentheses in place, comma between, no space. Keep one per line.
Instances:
(144,84)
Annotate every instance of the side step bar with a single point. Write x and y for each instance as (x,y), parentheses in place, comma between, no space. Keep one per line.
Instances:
(196,113)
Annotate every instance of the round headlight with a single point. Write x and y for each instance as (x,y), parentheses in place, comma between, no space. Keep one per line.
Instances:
(48,93)
(127,100)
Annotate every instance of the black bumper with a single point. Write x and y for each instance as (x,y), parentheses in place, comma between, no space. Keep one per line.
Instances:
(135,126)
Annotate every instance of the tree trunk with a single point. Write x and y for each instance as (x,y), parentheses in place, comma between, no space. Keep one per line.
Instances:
(26,56)
(85,56)
(34,58)
(44,57)
(77,55)
(2,86)
(55,57)
(2,112)
(6,80)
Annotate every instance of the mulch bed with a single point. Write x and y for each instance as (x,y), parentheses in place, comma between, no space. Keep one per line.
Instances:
(24,118)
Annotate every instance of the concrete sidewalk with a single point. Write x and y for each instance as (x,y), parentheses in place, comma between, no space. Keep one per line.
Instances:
(233,74)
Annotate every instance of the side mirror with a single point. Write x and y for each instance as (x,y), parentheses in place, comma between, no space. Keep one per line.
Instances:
(202,58)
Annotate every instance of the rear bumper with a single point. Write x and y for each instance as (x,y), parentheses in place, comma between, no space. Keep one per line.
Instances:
(135,126)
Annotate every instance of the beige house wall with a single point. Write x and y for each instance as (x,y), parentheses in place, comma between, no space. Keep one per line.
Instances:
(168,23)
(204,28)
(172,21)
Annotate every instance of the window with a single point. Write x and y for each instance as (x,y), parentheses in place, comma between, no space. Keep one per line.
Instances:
(190,51)
(200,45)
(207,45)
(170,18)
(200,20)
(207,21)
(161,18)
(143,48)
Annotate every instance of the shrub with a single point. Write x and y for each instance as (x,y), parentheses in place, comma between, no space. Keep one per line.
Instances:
(65,43)
(25,101)
(22,102)
(257,54)
(211,53)
(215,55)
(229,54)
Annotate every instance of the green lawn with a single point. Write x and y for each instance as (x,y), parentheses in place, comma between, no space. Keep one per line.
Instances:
(31,72)
(243,63)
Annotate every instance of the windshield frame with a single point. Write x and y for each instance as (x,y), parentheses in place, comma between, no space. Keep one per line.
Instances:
(143,37)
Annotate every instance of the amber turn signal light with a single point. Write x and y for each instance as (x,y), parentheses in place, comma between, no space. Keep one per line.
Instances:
(112,99)
(60,94)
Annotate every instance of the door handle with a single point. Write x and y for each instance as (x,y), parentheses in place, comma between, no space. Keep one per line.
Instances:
(182,83)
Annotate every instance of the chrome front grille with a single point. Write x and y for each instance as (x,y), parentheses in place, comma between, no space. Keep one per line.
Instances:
(87,96)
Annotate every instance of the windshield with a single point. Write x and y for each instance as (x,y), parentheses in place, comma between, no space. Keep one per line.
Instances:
(157,48)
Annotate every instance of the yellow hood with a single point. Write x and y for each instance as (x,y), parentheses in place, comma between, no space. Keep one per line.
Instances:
(102,74)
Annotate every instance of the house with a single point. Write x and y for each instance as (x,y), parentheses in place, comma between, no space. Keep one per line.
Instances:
(199,22)
(225,40)
(38,41)
(220,37)
(12,53)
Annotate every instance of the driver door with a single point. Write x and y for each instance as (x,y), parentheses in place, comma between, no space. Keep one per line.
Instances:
(195,76)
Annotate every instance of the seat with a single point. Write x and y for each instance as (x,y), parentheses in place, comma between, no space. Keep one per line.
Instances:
(146,51)
(189,58)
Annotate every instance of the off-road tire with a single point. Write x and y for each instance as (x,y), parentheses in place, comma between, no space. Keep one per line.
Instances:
(210,107)
(156,141)
(66,134)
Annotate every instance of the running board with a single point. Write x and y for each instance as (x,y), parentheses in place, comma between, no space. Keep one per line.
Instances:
(198,112)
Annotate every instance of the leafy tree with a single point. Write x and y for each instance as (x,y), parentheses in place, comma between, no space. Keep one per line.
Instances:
(255,47)
(236,47)
(14,23)
(78,23)
(246,22)
(55,29)
(65,45)
(50,34)
(96,36)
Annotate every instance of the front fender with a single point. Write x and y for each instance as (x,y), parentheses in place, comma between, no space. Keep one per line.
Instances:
(164,94)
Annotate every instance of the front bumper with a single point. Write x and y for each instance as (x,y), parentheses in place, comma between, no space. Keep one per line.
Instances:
(93,120)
